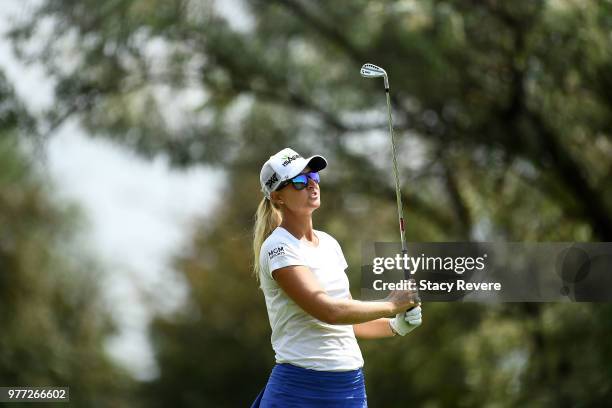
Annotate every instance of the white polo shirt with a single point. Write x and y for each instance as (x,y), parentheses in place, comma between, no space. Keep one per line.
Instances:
(297,337)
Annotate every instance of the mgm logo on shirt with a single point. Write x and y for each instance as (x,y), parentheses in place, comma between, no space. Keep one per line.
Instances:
(276,252)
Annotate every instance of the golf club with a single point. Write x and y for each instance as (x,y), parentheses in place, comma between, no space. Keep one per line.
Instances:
(373,71)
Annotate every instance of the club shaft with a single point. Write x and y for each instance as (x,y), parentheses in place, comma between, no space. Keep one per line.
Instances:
(372,71)
(398,192)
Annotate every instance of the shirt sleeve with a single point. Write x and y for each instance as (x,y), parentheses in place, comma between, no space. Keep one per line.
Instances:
(282,254)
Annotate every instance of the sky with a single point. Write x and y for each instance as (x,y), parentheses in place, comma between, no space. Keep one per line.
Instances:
(139,213)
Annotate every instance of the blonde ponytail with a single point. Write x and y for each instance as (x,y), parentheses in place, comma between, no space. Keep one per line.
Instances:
(267,218)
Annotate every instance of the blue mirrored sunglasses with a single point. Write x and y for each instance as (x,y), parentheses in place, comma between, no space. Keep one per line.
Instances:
(300,181)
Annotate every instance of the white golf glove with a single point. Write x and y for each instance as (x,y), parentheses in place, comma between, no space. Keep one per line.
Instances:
(405,322)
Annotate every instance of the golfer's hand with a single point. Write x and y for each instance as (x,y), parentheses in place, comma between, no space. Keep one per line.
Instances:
(403,299)
(405,322)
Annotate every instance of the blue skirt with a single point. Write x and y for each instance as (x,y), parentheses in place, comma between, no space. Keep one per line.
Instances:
(292,386)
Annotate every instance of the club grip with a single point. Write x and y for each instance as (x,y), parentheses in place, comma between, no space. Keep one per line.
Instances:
(409,277)
(416,297)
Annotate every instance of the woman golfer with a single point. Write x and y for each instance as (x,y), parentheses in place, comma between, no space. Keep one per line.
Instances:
(313,317)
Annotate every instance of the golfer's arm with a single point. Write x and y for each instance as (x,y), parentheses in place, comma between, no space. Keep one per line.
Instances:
(375,329)
(300,284)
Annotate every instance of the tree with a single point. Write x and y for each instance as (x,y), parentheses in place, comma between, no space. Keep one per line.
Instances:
(500,139)
(475,85)
(54,323)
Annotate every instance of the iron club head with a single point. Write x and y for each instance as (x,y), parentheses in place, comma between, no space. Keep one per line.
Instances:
(373,71)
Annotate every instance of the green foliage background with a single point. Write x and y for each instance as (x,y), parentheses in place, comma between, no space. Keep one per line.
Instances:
(53,322)
(503,115)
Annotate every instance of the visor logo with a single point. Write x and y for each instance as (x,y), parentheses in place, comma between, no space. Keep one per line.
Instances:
(289,159)
(272,180)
